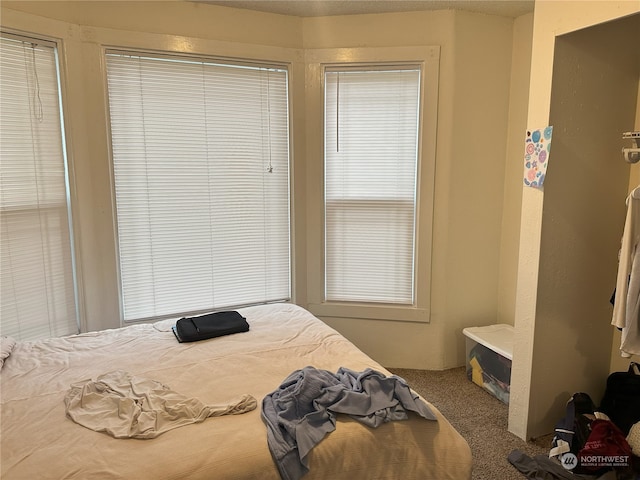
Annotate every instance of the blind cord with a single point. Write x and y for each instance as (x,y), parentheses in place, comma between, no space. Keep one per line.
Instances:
(338,114)
(36,94)
(270,167)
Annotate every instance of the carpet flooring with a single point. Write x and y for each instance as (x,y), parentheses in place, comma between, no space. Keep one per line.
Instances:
(479,417)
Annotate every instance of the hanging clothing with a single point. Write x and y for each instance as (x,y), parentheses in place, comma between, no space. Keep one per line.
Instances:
(626,308)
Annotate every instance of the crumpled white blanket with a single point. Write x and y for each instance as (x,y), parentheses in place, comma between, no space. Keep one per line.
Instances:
(127,406)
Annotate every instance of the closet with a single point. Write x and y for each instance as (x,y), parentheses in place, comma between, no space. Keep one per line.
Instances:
(594,99)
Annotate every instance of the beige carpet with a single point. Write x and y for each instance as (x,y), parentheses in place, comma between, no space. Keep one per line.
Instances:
(479,417)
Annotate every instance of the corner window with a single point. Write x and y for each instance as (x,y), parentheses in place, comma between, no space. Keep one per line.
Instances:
(376,159)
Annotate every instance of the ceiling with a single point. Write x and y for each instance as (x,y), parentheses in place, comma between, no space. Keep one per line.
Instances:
(318,8)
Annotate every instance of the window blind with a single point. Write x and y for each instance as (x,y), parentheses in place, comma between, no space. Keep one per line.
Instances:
(371,151)
(201,170)
(36,271)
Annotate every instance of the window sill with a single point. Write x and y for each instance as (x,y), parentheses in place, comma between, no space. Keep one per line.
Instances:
(401,313)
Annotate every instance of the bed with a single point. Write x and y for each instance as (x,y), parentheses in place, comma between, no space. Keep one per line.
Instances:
(39,441)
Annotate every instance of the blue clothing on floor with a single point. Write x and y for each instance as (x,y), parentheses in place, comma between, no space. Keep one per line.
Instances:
(303,410)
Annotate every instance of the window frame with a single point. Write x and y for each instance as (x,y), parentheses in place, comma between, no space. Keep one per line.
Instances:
(196,57)
(53,38)
(427,58)
(343,205)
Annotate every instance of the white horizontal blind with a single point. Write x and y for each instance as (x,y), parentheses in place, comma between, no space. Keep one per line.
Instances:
(36,271)
(371,151)
(201,167)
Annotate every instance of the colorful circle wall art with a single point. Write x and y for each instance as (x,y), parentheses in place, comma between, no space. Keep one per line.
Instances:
(537,147)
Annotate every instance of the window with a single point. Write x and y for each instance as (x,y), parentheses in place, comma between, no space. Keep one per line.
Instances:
(371,159)
(201,171)
(36,263)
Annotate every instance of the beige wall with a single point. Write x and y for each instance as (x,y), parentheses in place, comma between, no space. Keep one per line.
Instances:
(473,125)
(518,104)
(562,339)
(191,20)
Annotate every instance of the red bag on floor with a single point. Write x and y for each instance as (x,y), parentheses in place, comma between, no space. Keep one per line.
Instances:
(606,447)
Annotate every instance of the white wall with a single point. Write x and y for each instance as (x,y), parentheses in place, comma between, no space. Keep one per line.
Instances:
(562,340)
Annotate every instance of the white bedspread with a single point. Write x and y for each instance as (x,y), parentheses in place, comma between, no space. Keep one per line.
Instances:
(39,442)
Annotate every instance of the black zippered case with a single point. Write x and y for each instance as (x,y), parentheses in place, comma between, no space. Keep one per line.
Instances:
(192,329)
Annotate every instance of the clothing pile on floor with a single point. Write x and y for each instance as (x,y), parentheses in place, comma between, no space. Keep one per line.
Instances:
(588,443)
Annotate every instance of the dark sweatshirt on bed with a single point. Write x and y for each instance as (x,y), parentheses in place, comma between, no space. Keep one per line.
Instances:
(303,410)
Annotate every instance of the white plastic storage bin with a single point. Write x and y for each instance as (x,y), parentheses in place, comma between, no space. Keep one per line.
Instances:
(489,354)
